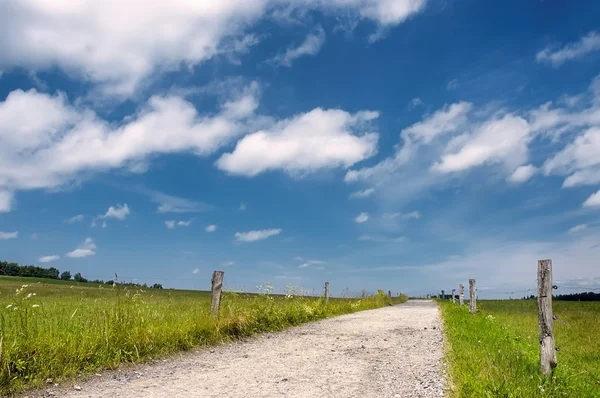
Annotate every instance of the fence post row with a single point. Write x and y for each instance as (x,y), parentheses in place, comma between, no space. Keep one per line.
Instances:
(326,292)
(217,286)
(461,294)
(473,300)
(545,320)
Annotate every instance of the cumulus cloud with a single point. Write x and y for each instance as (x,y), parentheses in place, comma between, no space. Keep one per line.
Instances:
(118,45)
(74,219)
(253,236)
(210,228)
(307,142)
(9,235)
(593,200)
(48,259)
(85,249)
(310,46)
(361,218)
(118,212)
(6,200)
(172,224)
(311,262)
(362,194)
(522,174)
(503,140)
(452,85)
(578,228)
(558,56)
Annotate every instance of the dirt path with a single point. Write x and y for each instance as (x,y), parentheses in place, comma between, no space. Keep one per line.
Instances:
(388,352)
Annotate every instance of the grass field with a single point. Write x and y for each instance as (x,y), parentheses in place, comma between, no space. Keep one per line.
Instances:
(495,353)
(54,329)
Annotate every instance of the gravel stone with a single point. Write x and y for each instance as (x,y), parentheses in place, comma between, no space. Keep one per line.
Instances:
(403,359)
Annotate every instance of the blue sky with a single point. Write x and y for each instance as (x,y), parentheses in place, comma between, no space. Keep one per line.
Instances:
(403,145)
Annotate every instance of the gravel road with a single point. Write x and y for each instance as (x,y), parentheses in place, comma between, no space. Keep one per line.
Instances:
(388,352)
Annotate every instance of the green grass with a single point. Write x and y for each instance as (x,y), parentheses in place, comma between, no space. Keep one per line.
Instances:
(495,353)
(68,328)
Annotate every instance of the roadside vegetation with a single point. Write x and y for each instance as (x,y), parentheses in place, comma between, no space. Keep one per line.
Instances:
(495,353)
(55,331)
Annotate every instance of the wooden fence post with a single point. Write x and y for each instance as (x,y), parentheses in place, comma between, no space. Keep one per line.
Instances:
(545,320)
(473,300)
(461,294)
(217,286)
(453,294)
(389,293)
(442,296)
(326,292)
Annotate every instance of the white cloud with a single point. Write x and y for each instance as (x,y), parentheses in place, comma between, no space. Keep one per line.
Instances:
(502,141)
(587,44)
(578,228)
(593,200)
(119,45)
(522,174)
(362,217)
(452,85)
(305,143)
(87,248)
(210,228)
(310,46)
(47,143)
(172,224)
(227,263)
(118,212)
(6,200)
(362,194)
(242,207)
(415,102)
(9,235)
(74,219)
(195,271)
(311,262)
(47,259)
(253,236)
(405,216)
(384,239)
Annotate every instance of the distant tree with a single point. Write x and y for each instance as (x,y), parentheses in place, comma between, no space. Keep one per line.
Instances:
(65,276)
(79,278)
(157,286)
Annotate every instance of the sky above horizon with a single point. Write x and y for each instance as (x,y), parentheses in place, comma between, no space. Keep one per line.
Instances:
(403,145)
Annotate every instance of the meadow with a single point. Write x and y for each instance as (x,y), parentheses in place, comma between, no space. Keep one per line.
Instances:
(495,353)
(56,330)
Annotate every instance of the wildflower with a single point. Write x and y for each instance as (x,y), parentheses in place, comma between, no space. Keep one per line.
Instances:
(35,306)
(8,306)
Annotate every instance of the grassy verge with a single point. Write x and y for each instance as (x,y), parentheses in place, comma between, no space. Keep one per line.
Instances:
(495,353)
(60,330)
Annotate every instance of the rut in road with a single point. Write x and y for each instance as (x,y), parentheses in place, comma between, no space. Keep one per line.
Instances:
(388,352)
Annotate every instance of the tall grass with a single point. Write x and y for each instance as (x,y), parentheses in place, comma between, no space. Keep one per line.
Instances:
(58,331)
(495,353)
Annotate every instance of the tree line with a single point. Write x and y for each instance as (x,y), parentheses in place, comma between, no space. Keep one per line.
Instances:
(14,269)
(585,296)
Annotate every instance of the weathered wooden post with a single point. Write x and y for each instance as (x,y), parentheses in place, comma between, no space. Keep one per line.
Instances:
(545,320)
(217,286)
(326,292)
(389,293)
(453,294)
(473,299)
(442,296)
(461,294)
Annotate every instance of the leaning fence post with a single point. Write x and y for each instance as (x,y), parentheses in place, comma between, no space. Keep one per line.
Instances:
(545,320)
(217,285)
(473,300)
(326,292)
(453,293)
(461,294)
